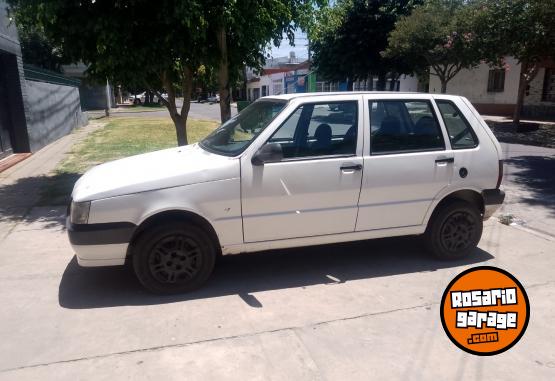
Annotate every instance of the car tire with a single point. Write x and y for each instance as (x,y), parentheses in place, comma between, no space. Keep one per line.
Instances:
(173,257)
(454,230)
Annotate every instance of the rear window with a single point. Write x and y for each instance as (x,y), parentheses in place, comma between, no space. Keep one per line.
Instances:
(460,133)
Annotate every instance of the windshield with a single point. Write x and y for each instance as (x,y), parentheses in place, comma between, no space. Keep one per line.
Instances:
(235,135)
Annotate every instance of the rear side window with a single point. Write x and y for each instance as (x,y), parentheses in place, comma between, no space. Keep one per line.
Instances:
(403,126)
(460,133)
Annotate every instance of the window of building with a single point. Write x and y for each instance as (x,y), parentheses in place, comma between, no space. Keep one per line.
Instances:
(460,133)
(403,126)
(264,91)
(319,129)
(548,94)
(496,80)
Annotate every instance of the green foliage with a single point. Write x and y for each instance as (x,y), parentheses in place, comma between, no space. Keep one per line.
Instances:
(524,29)
(130,42)
(348,38)
(161,44)
(38,50)
(441,32)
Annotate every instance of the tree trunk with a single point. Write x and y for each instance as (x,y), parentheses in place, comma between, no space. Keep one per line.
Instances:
(380,85)
(180,123)
(443,85)
(245,84)
(521,93)
(393,82)
(350,83)
(179,118)
(223,76)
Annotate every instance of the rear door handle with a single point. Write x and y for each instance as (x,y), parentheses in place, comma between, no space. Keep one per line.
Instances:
(351,167)
(446,160)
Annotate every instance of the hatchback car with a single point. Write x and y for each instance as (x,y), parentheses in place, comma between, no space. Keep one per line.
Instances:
(294,170)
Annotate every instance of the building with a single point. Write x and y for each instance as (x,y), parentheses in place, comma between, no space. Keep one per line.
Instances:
(285,75)
(494,91)
(36,106)
(275,76)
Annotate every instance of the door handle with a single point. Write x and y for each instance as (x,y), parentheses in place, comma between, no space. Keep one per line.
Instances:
(351,167)
(446,160)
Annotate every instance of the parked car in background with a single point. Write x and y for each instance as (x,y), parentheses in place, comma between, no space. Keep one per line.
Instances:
(140,99)
(214,98)
(294,170)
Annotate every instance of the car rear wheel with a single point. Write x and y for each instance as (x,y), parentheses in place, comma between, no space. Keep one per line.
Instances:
(454,230)
(173,258)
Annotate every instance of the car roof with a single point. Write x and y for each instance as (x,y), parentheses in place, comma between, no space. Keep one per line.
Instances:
(304,95)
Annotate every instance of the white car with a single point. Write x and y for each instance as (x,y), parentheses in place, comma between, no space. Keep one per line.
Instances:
(294,170)
(214,98)
(139,99)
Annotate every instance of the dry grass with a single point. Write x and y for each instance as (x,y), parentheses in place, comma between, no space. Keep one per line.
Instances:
(121,137)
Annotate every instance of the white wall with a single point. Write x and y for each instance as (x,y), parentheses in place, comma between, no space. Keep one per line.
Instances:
(266,80)
(408,83)
(473,84)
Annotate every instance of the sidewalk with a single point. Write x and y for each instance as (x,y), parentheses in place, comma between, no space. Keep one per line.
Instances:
(20,185)
(508,119)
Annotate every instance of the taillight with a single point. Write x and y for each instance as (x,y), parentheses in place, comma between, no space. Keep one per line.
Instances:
(500,175)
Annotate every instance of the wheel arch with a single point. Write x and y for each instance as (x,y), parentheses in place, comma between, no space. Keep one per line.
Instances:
(175,215)
(468,195)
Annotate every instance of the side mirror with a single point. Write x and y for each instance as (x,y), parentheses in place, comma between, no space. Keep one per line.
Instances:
(268,153)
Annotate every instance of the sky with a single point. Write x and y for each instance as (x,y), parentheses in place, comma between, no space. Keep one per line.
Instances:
(300,48)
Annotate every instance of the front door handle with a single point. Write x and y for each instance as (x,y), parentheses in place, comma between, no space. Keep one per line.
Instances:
(351,167)
(446,160)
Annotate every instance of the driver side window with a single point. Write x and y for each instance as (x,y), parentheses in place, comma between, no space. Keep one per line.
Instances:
(319,129)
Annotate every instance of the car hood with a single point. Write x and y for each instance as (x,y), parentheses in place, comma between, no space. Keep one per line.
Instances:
(156,170)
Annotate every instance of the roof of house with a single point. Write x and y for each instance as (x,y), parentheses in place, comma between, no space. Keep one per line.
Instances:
(277,70)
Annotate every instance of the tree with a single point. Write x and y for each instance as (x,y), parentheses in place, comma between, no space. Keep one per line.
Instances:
(155,45)
(524,29)
(347,40)
(239,33)
(440,32)
(38,50)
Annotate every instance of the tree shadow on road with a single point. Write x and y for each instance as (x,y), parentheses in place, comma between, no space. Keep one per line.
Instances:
(54,191)
(537,175)
(243,274)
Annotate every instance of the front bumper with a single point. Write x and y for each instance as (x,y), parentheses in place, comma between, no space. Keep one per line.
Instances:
(493,199)
(100,244)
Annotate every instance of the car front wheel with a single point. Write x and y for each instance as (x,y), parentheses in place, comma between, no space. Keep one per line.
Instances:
(173,258)
(454,230)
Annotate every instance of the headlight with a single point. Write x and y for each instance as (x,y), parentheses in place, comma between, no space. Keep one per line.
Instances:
(79,213)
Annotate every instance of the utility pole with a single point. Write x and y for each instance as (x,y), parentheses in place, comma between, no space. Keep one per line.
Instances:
(108,101)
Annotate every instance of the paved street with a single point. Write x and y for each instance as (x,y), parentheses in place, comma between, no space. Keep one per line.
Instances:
(529,182)
(209,111)
(356,311)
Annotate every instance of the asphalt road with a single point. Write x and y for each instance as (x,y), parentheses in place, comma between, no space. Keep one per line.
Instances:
(197,111)
(529,183)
